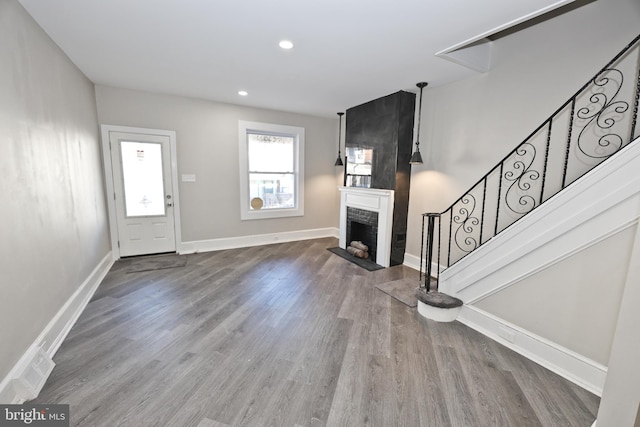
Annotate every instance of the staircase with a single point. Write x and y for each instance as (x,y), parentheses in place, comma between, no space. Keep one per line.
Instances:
(592,127)
(573,183)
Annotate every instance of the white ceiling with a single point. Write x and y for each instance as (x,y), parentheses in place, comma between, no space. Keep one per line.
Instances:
(346,51)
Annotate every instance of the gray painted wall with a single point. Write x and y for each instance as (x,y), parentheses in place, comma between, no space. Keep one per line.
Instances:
(54,229)
(620,404)
(207,146)
(569,304)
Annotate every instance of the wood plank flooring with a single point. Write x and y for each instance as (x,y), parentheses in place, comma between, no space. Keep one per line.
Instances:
(290,335)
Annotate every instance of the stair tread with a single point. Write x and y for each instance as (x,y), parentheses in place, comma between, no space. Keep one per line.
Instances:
(437,299)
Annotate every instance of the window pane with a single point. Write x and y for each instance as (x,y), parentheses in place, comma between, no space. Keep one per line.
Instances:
(143,180)
(269,153)
(271,191)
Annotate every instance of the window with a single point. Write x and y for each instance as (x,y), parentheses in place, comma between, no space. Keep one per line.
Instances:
(271,170)
(143,178)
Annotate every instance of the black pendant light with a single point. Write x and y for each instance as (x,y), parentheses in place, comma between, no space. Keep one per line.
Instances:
(339,159)
(416,157)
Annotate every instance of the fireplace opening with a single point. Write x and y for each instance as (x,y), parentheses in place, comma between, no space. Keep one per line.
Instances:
(365,233)
(362,225)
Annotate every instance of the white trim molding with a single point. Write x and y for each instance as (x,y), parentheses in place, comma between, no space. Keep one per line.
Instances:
(413,261)
(578,369)
(256,240)
(43,349)
(375,200)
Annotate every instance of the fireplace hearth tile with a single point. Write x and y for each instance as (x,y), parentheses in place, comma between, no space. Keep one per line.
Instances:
(364,263)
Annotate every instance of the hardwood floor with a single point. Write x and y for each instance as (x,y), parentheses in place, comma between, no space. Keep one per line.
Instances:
(290,335)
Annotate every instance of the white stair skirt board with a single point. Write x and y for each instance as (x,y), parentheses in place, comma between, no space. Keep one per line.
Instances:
(438,314)
(256,240)
(578,369)
(29,374)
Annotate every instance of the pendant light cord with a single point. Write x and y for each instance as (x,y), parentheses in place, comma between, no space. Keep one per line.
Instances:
(421,86)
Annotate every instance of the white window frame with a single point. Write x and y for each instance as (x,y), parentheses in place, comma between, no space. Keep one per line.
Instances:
(297,133)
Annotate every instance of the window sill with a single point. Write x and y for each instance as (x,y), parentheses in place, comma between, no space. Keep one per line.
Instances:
(271,213)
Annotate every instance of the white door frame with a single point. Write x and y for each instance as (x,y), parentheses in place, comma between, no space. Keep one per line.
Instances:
(108,176)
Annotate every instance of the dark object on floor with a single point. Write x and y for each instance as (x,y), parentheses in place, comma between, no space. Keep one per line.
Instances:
(364,263)
(155,262)
(403,290)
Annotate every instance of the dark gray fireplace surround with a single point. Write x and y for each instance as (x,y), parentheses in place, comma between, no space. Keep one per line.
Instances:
(386,126)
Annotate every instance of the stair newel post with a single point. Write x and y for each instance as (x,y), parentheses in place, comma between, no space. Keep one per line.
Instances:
(434,305)
(421,253)
(439,240)
(430,232)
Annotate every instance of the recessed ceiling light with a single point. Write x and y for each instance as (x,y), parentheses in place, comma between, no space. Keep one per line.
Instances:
(285,44)
(243,93)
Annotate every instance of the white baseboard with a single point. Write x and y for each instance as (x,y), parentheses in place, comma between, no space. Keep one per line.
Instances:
(256,240)
(53,334)
(413,261)
(578,369)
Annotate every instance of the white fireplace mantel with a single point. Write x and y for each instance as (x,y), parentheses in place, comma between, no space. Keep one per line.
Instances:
(374,200)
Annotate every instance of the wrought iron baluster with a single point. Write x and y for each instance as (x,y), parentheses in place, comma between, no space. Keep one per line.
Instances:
(522,176)
(427,279)
(450,231)
(484,201)
(499,197)
(546,161)
(568,149)
(635,104)
(600,118)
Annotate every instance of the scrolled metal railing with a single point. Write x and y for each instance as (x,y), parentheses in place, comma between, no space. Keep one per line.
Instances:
(593,125)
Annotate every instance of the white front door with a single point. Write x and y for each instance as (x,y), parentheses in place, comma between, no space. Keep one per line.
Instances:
(142,187)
